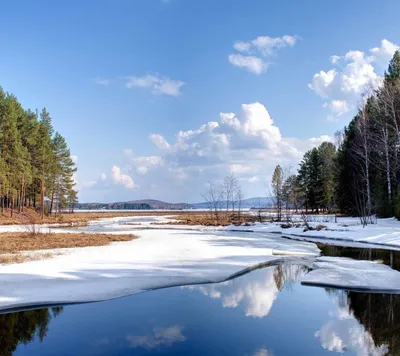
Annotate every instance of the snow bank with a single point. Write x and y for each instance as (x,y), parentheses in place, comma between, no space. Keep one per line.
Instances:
(386,232)
(159,258)
(349,274)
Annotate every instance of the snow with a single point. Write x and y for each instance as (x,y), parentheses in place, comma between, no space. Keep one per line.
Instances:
(349,274)
(159,258)
(385,233)
(169,255)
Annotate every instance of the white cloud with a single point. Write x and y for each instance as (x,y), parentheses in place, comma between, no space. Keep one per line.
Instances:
(103,176)
(335,59)
(345,333)
(159,337)
(384,53)
(160,141)
(342,88)
(74,158)
(252,64)
(255,55)
(262,352)
(144,164)
(254,297)
(338,107)
(122,179)
(248,144)
(158,84)
(101,81)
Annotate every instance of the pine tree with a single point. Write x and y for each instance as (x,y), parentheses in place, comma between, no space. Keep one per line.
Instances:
(393,72)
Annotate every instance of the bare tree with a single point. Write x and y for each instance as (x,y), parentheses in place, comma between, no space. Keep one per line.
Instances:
(238,201)
(213,197)
(277,190)
(229,190)
(361,153)
(389,103)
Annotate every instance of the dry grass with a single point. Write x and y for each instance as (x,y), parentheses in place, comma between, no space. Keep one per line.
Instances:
(207,219)
(23,257)
(13,242)
(30,216)
(13,245)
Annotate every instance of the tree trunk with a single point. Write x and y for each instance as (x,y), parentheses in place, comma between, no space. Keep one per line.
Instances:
(51,203)
(388,178)
(42,200)
(12,204)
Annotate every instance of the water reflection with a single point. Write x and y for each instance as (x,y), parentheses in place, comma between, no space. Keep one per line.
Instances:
(159,337)
(255,296)
(24,327)
(264,313)
(345,332)
(388,257)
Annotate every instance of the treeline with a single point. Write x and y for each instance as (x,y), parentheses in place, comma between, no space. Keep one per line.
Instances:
(114,206)
(358,174)
(36,168)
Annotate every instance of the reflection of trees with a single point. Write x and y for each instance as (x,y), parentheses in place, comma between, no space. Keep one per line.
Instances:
(287,274)
(388,257)
(380,315)
(23,327)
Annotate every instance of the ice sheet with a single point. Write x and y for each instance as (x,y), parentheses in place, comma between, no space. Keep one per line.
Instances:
(350,274)
(159,258)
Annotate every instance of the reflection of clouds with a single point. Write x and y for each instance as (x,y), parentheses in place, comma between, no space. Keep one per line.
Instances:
(262,352)
(346,333)
(160,337)
(256,296)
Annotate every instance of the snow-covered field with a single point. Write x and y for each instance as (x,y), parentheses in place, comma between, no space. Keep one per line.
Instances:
(167,255)
(159,258)
(386,232)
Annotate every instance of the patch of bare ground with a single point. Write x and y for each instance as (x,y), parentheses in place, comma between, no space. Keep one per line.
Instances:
(207,219)
(30,216)
(13,245)
(25,257)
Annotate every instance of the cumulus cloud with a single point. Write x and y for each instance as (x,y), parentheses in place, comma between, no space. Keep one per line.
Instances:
(122,179)
(252,64)
(249,144)
(255,297)
(342,87)
(157,84)
(256,55)
(160,337)
(344,332)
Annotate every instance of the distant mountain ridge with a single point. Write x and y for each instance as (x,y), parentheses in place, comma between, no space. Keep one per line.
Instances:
(151,204)
(143,204)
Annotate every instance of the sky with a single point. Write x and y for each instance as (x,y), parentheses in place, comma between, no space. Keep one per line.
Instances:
(156,98)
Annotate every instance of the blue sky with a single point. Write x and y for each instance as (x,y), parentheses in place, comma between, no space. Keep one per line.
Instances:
(121,79)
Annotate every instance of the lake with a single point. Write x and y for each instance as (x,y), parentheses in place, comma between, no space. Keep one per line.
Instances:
(265,312)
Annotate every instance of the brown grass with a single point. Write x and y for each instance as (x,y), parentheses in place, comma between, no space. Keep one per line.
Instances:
(14,244)
(208,219)
(22,257)
(30,216)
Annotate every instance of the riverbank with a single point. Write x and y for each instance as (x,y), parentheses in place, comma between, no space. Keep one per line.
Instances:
(18,247)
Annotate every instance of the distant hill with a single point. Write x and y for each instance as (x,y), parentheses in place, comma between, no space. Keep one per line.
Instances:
(149,204)
(144,204)
(257,202)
